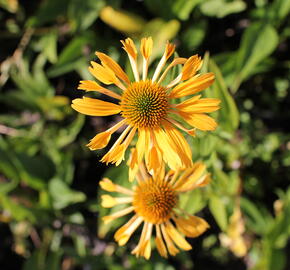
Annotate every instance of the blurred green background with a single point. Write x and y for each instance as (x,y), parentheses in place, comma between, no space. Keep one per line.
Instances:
(49,207)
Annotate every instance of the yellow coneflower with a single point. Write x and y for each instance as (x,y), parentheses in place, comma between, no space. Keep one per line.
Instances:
(154,202)
(147,106)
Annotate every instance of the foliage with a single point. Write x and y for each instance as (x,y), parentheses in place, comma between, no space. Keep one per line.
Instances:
(48,178)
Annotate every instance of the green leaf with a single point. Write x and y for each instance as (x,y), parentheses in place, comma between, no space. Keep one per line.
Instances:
(83,13)
(228,114)
(255,218)
(193,36)
(258,42)
(63,195)
(222,8)
(218,209)
(192,202)
(183,8)
(70,58)
(170,9)
(48,45)
(280,8)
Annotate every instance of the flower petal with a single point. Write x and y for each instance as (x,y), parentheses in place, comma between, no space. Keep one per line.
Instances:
(190,67)
(93,86)
(124,233)
(114,66)
(176,237)
(146,47)
(200,121)
(204,105)
(192,226)
(160,243)
(95,107)
(192,86)
(102,73)
(100,141)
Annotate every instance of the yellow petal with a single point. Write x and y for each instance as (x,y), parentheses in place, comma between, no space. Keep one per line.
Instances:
(142,143)
(169,49)
(95,107)
(100,140)
(115,155)
(124,233)
(192,227)
(102,73)
(176,237)
(170,245)
(163,146)
(179,144)
(192,86)
(146,47)
(93,86)
(176,61)
(108,201)
(108,185)
(190,178)
(110,63)
(160,243)
(133,164)
(204,105)
(129,47)
(190,67)
(200,121)
(118,214)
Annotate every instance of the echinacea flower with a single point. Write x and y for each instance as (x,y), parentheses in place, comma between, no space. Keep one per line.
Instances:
(154,202)
(148,107)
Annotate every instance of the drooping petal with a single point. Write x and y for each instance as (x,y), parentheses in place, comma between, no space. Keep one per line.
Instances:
(117,151)
(102,139)
(164,147)
(133,164)
(124,233)
(190,176)
(95,107)
(115,67)
(160,243)
(176,237)
(179,144)
(144,246)
(170,245)
(192,226)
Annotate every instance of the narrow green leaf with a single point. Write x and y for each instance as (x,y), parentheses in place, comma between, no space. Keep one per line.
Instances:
(218,209)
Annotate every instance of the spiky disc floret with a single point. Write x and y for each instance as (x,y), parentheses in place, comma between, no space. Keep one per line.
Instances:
(144,104)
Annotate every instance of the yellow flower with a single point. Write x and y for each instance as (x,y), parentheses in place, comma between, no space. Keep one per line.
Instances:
(153,201)
(148,106)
